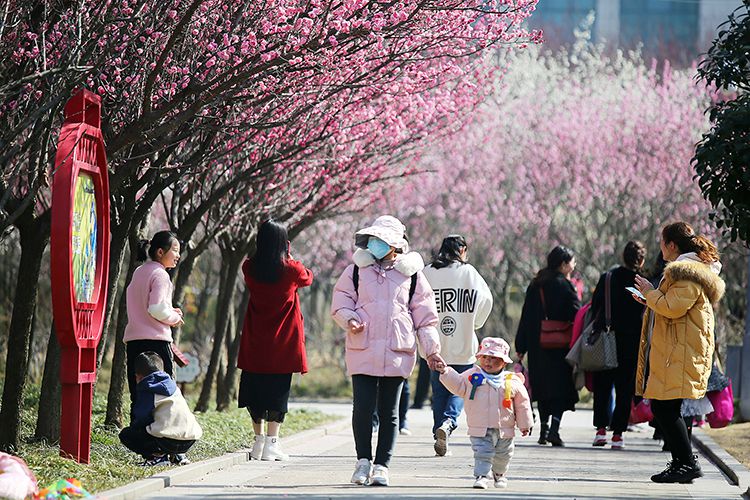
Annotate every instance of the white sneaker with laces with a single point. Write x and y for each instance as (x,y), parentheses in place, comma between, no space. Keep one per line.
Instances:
(482,483)
(500,481)
(257,450)
(362,471)
(379,476)
(272,450)
(441,438)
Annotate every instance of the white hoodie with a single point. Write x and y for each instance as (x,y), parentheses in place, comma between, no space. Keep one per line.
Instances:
(464,302)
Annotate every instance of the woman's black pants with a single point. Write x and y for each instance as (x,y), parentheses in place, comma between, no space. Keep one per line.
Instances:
(673,428)
(371,394)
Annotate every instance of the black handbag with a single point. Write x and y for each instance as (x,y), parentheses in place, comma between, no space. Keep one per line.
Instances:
(599,347)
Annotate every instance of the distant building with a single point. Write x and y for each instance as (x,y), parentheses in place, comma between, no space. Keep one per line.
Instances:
(665,27)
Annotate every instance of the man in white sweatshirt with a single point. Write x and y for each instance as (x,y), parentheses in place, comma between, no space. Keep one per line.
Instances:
(464,302)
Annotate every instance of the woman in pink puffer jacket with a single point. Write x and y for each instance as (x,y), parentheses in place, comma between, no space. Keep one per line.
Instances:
(386,306)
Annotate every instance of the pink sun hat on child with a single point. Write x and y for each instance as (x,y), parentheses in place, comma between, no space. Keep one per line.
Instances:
(495,347)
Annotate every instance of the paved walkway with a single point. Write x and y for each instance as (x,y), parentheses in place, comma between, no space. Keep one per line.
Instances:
(320,468)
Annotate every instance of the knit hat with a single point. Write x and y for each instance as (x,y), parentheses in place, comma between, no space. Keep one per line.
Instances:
(388,229)
(495,347)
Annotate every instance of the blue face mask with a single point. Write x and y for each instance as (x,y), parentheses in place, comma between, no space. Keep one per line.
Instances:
(378,248)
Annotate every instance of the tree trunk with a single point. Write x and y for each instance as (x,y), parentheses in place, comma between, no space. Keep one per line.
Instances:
(48,417)
(226,388)
(118,378)
(118,241)
(34,235)
(227,280)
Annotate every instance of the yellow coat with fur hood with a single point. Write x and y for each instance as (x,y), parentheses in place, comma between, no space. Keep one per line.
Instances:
(681,350)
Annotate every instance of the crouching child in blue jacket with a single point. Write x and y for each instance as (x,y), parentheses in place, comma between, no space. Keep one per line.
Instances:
(163,427)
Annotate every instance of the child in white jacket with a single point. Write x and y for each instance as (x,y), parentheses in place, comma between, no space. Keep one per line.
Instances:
(496,402)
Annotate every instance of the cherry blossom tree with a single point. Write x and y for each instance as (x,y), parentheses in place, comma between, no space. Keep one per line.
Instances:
(576,148)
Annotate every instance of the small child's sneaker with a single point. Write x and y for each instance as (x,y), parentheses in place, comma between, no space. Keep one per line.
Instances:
(179,459)
(617,442)
(500,481)
(482,483)
(156,461)
(379,476)
(600,439)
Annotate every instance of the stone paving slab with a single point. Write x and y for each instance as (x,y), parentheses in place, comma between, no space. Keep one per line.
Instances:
(321,466)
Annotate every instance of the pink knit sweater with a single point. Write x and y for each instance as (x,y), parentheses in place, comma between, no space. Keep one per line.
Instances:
(149,301)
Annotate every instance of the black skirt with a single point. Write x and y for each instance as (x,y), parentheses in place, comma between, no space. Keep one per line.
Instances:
(265,391)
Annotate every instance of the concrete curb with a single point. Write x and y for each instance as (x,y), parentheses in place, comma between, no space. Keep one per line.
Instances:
(188,473)
(735,471)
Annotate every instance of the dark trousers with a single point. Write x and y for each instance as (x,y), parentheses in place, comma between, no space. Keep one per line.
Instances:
(623,380)
(133,349)
(136,439)
(383,394)
(403,408)
(422,390)
(673,428)
(403,405)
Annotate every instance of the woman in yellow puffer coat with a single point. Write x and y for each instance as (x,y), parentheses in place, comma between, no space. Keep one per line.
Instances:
(677,340)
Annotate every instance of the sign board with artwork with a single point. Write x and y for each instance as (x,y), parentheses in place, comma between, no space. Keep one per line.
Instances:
(79,262)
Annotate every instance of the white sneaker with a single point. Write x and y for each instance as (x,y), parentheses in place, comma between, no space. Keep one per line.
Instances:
(257,450)
(441,438)
(362,471)
(500,481)
(482,483)
(272,450)
(379,476)
(404,432)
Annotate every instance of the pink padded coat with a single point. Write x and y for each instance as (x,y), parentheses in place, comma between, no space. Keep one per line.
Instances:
(486,409)
(388,345)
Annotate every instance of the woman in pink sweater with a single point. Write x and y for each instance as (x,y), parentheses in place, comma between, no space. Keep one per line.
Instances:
(149,304)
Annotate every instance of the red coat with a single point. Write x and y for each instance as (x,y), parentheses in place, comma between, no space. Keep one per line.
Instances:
(273,335)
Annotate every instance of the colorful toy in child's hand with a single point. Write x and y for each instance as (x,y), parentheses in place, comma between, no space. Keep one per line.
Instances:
(507,402)
(63,490)
(476,380)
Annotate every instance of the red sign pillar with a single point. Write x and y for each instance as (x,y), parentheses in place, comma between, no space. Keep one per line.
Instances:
(79,263)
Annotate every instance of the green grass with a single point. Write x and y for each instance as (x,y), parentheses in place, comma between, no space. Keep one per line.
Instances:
(112,465)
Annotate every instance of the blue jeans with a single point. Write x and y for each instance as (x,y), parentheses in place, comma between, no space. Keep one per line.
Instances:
(445,404)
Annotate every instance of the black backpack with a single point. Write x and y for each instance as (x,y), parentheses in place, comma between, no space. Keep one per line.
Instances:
(412,286)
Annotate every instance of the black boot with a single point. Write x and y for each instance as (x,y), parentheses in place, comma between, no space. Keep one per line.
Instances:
(679,472)
(554,438)
(543,434)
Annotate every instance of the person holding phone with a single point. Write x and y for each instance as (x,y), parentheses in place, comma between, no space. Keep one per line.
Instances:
(677,340)
(272,345)
(626,317)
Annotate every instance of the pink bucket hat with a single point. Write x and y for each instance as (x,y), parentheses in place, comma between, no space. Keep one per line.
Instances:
(388,229)
(495,347)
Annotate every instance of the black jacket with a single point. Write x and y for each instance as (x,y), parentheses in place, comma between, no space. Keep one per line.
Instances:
(550,375)
(627,313)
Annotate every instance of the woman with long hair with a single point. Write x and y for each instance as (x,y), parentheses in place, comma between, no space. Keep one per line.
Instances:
(272,346)
(149,304)
(626,317)
(550,296)
(464,303)
(677,340)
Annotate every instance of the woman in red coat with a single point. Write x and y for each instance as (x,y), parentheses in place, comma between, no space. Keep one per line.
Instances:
(272,346)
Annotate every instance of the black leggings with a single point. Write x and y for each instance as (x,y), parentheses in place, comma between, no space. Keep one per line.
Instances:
(673,428)
(370,393)
(623,380)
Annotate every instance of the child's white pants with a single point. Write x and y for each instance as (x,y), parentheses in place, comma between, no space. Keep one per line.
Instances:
(491,452)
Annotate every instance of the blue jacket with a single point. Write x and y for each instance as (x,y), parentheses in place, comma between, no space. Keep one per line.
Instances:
(161,409)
